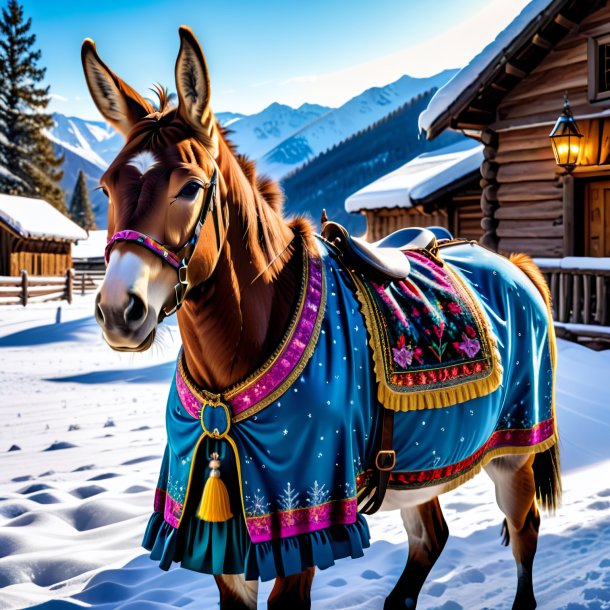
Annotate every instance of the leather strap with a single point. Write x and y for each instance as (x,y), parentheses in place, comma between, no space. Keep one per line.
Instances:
(178,258)
(385,460)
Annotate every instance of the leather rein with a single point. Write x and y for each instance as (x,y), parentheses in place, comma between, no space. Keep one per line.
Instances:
(178,258)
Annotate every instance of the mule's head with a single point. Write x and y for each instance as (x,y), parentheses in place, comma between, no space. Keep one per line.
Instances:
(157,188)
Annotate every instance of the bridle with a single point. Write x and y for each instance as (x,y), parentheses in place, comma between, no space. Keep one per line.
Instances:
(178,258)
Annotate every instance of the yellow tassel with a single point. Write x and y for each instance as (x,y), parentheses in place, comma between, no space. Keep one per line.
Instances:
(215,505)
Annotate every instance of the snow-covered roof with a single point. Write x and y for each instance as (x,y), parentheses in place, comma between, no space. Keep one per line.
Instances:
(37,219)
(91,248)
(468,80)
(419,179)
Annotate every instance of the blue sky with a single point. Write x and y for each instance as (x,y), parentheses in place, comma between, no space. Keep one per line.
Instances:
(263,51)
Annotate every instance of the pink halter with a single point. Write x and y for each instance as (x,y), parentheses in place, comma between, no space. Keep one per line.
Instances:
(148,242)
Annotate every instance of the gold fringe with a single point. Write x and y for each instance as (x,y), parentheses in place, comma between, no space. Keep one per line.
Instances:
(439,398)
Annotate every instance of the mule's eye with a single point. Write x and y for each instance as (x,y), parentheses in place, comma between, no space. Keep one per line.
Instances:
(189,191)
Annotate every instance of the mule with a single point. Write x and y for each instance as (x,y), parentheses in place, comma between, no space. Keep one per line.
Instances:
(194,230)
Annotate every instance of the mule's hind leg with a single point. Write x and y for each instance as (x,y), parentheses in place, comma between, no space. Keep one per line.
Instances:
(236,593)
(292,592)
(513,477)
(428,534)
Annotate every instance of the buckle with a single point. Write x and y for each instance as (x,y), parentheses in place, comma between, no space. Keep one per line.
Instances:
(385,460)
(179,290)
(182,274)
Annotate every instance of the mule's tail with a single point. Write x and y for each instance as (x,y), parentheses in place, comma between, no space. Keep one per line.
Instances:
(547,470)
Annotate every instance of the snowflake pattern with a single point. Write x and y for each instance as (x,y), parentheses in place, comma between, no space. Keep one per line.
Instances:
(256,505)
(289,499)
(317,494)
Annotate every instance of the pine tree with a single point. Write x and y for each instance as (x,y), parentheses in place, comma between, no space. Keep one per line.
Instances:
(80,204)
(25,151)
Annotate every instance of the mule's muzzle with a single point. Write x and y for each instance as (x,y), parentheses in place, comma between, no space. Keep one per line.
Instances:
(128,326)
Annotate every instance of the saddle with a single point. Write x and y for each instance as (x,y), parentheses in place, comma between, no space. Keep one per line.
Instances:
(427,340)
(383,259)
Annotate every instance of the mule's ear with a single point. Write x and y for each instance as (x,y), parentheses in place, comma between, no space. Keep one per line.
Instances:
(193,84)
(119,104)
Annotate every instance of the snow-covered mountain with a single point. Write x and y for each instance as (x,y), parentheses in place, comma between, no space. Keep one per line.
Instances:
(94,141)
(341,123)
(257,134)
(86,145)
(279,137)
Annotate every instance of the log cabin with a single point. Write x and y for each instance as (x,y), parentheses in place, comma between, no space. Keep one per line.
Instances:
(436,188)
(35,237)
(509,98)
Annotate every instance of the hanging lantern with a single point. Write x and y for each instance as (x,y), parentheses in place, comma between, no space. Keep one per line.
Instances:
(566,139)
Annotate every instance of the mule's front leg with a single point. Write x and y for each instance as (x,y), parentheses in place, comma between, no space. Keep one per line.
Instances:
(237,593)
(292,593)
(428,533)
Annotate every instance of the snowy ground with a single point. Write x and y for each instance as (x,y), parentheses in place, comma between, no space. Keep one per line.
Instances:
(76,495)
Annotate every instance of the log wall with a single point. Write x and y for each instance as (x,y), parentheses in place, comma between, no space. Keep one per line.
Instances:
(461,214)
(529,185)
(36,256)
(384,221)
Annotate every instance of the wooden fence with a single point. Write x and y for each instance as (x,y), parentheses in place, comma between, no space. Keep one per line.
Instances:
(26,288)
(580,287)
(87,280)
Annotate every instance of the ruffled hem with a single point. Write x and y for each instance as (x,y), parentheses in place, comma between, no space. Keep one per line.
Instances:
(226,548)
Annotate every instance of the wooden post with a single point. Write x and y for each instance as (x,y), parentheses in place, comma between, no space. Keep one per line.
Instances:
(601,313)
(576,297)
(555,293)
(69,282)
(568,215)
(24,287)
(587,299)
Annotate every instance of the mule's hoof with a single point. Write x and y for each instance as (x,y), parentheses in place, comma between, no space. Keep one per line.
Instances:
(520,604)
(391,603)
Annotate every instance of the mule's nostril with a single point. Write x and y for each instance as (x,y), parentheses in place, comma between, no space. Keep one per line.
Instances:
(99,312)
(135,310)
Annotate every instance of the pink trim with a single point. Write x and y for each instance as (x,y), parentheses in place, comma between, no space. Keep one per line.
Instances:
(187,398)
(170,508)
(144,240)
(282,366)
(500,439)
(293,351)
(302,520)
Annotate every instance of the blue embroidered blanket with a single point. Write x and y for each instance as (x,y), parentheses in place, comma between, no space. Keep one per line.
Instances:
(298,435)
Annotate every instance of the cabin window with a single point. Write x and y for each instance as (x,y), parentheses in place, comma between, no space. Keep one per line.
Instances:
(599,68)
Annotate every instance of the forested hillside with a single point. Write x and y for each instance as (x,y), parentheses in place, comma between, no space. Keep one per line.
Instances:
(328,179)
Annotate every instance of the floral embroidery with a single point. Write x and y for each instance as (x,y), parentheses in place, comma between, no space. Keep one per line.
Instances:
(431,332)
(454,308)
(471,347)
(438,347)
(402,356)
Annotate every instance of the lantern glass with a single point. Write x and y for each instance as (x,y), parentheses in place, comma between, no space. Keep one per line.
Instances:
(566,140)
